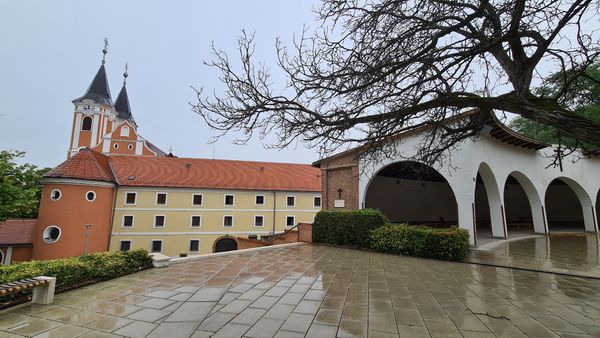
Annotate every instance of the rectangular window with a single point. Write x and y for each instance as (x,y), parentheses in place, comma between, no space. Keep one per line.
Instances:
(159,221)
(197,199)
(291,201)
(229,199)
(228,221)
(125,246)
(156,246)
(194,245)
(130,198)
(196,221)
(317,202)
(127,221)
(259,221)
(290,221)
(260,200)
(161,198)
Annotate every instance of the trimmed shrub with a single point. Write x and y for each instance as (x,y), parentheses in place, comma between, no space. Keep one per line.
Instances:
(346,227)
(448,244)
(76,271)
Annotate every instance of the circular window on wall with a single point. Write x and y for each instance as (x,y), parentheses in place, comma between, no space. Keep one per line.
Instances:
(55,195)
(51,234)
(130,147)
(116,146)
(90,196)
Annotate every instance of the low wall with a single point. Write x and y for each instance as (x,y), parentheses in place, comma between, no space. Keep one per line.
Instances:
(245,243)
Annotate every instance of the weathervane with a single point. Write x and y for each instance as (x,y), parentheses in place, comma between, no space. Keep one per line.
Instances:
(105,50)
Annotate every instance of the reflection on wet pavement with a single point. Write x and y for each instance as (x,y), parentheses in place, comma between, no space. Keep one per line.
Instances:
(319,291)
(569,254)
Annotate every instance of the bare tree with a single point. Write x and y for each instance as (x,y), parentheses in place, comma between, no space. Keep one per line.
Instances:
(377,68)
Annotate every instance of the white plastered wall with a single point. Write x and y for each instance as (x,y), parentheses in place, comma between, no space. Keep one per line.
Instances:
(495,161)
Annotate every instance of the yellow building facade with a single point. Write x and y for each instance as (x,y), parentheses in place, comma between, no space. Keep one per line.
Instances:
(178,221)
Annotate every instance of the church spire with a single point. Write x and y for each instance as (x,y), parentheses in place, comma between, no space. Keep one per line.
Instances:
(98,91)
(122,103)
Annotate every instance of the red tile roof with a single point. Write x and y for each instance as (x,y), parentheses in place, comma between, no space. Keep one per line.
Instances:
(17,231)
(215,174)
(87,165)
(189,172)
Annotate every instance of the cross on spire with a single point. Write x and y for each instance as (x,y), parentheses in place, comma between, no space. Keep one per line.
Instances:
(125,75)
(105,50)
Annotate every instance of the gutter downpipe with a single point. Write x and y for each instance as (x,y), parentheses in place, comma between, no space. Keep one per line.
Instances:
(274,210)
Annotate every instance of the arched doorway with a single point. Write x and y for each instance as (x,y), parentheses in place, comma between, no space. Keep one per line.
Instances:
(517,208)
(225,244)
(489,220)
(413,193)
(564,212)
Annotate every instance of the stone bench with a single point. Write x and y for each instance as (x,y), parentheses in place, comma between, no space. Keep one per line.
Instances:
(43,288)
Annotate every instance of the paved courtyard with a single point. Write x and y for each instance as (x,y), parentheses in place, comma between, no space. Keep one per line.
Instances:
(319,291)
(568,254)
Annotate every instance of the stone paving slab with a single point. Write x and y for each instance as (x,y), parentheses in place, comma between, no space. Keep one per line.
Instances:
(568,254)
(320,291)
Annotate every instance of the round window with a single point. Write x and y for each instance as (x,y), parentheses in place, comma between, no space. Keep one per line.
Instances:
(55,195)
(51,234)
(130,146)
(116,146)
(90,196)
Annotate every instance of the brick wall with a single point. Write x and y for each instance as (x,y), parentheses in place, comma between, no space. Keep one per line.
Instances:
(245,243)
(305,232)
(340,173)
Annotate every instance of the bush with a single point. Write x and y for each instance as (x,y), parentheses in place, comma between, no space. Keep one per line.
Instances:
(75,271)
(449,244)
(347,227)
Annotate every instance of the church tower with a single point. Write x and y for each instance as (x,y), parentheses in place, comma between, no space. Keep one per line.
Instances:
(93,112)
(107,128)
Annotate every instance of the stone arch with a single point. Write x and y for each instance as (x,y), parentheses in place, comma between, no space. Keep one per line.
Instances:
(488,191)
(580,213)
(533,199)
(225,243)
(412,192)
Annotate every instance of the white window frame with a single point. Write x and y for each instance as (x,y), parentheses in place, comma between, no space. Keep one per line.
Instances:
(57,238)
(91,124)
(321,201)
(125,240)
(191,221)
(232,221)
(154,221)
(93,199)
(124,131)
(263,221)
(125,199)
(123,221)
(116,145)
(162,247)
(198,205)
(156,198)
(59,195)
(225,200)
(130,146)
(264,199)
(190,245)
(286,221)
(286,201)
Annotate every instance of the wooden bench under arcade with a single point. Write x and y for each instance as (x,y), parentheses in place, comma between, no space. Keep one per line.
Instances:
(43,288)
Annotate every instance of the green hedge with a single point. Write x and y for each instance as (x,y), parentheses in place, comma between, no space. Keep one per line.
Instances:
(74,271)
(347,227)
(449,244)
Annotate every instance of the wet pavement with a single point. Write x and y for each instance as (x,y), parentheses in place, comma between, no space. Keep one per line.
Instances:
(573,254)
(319,291)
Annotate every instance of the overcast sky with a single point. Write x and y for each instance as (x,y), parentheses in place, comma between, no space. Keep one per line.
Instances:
(50,51)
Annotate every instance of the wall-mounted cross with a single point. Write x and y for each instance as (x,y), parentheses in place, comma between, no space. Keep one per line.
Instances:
(339,191)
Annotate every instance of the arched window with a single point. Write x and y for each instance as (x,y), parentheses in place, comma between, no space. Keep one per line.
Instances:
(86,124)
(125,131)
